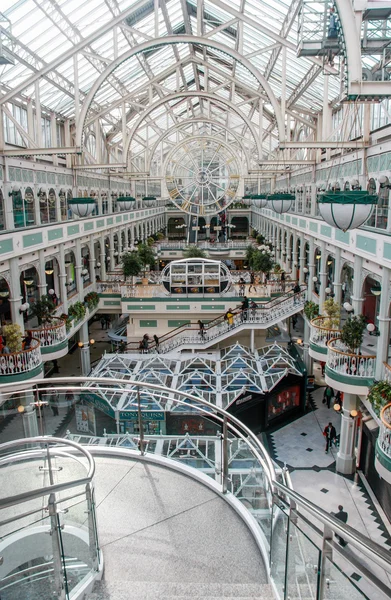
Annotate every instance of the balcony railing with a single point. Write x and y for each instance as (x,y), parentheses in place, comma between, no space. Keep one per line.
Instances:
(384,439)
(321,334)
(25,361)
(51,334)
(341,361)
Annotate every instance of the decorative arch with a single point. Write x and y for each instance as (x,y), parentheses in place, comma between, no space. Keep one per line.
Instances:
(180,39)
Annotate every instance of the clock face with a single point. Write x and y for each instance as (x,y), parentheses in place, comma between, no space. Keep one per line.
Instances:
(202,175)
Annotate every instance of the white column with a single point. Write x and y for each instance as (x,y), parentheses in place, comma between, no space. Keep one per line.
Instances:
(15,295)
(63,279)
(53,135)
(102,258)
(384,324)
(42,287)
(30,423)
(38,129)
(78,269)
(337,285)
(346,458)
(322,275)
(85,358)
(311,268)
(357,301)
(302,260)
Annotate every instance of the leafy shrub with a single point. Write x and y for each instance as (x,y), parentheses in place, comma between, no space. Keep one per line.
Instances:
(379,395)
(92,300)
(13,336)
(311,310)
(77,311)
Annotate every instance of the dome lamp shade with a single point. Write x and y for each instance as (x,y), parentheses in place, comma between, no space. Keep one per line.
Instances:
(280,202)
(82,207)
(125,203)
(259,200)
(149,200)
(347,209)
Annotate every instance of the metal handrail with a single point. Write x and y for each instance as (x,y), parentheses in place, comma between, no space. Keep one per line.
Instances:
(44,491)
(371,549)
(382,415)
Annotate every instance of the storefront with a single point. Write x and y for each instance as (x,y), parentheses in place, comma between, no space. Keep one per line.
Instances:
(154,422)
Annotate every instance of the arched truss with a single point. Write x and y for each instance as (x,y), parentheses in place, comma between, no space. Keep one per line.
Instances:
(187,122)
(184,96)
(171,40)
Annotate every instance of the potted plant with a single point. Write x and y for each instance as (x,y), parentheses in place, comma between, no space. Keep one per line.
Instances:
(68,321)
(352,333)
(150,241)
(311,310)
(194,252)
(92,300)
(42,309)
(13,336)
(262,261)
(131,265)
(332,310)
(147,259)
(379,395)
(77,311)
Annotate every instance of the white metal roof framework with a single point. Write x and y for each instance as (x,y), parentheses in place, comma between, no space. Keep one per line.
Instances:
(62,47)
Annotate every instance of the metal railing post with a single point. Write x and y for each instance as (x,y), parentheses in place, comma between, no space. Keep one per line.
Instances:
(140,423)
(58,572)
(92,528)
(225,456)
(324,567)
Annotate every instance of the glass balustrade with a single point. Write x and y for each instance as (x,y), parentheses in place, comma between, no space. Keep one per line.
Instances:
(297,538)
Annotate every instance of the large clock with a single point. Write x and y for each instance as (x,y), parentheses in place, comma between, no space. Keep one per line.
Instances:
(202,175)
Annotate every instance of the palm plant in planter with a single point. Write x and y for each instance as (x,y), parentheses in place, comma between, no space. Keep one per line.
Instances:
(147,258)
(194,252)
(352,333)
(131,265)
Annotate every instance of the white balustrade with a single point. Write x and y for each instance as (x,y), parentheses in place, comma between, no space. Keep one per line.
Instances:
(50,334)
(107,287)
(271,313)
(21,362)
(346,363)
(387,372)
(321,335)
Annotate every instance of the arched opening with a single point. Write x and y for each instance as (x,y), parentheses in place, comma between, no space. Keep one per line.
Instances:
(29,290)
(5,307)
(70,270)
(69,197)
(371,291)
(240,229)
(52,273)
(47,205)
(347,275)
(2,214)
(176,228)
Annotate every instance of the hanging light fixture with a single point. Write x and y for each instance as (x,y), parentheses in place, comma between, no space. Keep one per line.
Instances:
(346,209)
(82,207)
(257,200)
(125,203)
(49,271)
(376,290)
(280,202)
(28,282)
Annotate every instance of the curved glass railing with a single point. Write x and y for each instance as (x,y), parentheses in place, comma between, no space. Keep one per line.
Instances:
(48,534)
(297,538)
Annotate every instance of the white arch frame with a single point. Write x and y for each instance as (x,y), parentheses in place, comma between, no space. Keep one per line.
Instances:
(192,94)
(189,122)
(180,39)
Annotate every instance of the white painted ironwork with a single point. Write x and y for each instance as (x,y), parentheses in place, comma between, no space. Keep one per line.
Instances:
(320,334)
(21,362)
(50,334)
(340,360)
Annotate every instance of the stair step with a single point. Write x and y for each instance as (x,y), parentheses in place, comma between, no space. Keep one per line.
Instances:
(145,590)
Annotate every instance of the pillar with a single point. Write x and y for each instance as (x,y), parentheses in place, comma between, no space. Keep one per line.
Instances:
(302,261)
(346,457)
(337,285)
(322,275)
(42,287)
(102,258)
(357,301)
(30,422)
(384,324)
(15,295)
(311,268)
(63,279)
(85,358)
(78,270)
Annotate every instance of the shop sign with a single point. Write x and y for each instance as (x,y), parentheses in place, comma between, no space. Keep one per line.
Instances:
(99,403)
(148,415)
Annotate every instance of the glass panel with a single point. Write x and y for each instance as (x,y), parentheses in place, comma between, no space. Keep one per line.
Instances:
(303,565)
(278,548)
(338,586)
(77,556)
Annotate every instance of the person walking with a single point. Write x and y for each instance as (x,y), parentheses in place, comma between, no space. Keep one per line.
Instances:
(108,322)
(283,281)
(242,286)
(201,327)
(53,401)
(102,322)
(145,343)
(157,342)
(229,317)
(252,282)
(244,309)
(296,291)
(253,307)
(331,436)
(341,515)
(328,395)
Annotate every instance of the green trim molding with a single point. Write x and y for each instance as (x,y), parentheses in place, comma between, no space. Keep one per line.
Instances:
(55,234)
(56,348)
(349,379)
(32,239)
(26,376)
(152,323)
(6,246)
(319,349)
(366,244)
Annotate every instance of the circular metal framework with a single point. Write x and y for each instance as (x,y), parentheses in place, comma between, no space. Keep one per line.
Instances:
(202,175)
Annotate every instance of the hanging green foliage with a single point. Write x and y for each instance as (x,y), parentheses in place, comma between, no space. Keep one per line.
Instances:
(311,310)
(379,395)
(77,311)
(42,309)
(146,256)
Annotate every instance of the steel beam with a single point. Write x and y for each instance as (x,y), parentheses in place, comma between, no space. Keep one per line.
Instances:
(353,145)
(100,166)
(41,151)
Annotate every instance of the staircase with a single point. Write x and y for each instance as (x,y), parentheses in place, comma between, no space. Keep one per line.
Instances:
(151,590)
(264,316)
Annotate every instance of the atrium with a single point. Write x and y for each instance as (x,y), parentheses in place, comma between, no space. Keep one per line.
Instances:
(195,290)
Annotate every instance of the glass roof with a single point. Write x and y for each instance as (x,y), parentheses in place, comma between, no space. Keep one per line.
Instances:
(43,31)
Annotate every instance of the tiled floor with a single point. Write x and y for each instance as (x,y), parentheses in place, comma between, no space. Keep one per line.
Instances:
(300,445)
